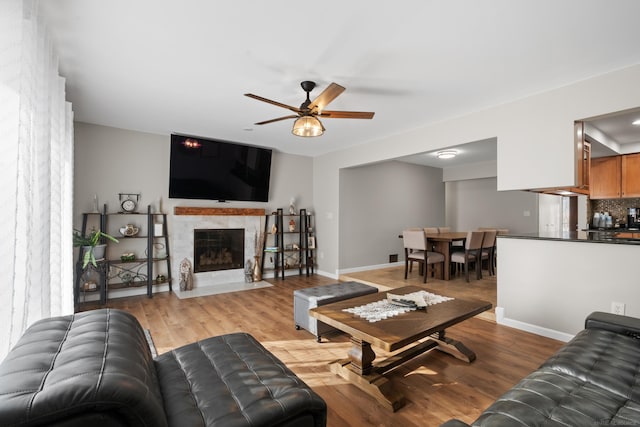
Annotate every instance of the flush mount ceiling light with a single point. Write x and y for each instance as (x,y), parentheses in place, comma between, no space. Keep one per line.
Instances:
(636,123)
(446,154)
(307,126)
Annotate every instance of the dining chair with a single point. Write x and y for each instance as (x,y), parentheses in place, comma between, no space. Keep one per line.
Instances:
(411,262)
(415,249)
(471,254)
(444,229)
(488,251)
(433,230)
(501,232)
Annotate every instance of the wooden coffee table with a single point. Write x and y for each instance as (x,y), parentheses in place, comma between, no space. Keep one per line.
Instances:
(393,334)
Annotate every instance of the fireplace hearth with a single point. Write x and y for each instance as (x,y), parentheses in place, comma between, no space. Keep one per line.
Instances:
(218,249)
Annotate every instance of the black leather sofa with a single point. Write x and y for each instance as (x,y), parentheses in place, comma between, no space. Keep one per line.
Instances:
(96,369)
(594,380)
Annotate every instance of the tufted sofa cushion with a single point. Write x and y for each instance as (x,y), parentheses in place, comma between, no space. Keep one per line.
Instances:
(594,380)
(92,368)
(232,380)
(95,369)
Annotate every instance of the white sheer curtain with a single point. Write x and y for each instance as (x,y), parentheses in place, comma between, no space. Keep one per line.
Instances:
(36,176)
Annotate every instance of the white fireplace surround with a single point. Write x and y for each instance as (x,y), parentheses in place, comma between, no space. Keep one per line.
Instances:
(182,245)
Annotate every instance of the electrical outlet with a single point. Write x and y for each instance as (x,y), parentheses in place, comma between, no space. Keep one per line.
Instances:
(617,308)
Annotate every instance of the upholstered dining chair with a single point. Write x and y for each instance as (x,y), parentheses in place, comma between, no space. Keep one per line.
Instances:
(415,249)
(471,254)
(429,230)
(411,262)
(489,250)
(500,232)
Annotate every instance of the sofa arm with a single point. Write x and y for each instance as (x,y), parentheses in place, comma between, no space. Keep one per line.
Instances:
(624,325)
(454,423)
(92,368)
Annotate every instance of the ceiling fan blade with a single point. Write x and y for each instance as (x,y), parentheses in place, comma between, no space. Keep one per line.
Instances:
(329,94)
(346,114)
(277,120)
(269,101)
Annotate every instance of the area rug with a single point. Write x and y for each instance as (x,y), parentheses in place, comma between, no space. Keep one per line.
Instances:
(222,289)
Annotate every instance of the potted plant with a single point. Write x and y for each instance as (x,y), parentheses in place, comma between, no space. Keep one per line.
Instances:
(91,246)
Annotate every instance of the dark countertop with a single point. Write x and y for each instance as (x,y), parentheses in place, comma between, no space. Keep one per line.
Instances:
(587,236)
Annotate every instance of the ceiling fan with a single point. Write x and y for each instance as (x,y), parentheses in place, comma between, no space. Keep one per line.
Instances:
(307,122)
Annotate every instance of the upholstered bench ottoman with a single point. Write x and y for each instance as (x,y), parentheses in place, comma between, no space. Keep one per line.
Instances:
(305,299)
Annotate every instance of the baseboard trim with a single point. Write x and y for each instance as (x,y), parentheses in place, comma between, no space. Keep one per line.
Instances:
(368,267)
(326,274)
(528,327)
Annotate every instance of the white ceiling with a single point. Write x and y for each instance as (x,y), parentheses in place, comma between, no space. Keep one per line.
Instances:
(164,66)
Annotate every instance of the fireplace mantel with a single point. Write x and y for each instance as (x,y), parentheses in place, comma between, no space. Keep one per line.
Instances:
(191,210)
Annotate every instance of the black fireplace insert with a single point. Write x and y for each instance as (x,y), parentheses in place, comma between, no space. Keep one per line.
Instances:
(218,249)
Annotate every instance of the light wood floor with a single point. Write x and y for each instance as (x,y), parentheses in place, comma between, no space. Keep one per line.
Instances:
(436,385)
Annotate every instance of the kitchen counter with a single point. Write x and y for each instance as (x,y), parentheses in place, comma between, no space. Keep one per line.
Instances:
(587,236)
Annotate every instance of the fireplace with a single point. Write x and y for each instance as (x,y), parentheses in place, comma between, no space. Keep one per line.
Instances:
(218,249)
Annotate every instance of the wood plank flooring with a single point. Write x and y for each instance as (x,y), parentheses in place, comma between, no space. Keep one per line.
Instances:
(437,386)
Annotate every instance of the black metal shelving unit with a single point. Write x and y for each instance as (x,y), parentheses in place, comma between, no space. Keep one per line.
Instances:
(129,276)
(285,245)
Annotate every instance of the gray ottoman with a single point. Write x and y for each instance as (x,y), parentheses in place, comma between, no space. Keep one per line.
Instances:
(305,299)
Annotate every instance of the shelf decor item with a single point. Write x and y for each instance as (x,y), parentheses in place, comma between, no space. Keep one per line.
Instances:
(186,275)
(128,256)
(257,272)
(90,244)
(127,203)
(248,272)
(129,230)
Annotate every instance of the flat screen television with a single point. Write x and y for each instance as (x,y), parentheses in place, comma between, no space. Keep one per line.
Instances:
(202,168)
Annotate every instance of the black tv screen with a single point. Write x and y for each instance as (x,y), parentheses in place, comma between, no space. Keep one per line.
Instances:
(210,169)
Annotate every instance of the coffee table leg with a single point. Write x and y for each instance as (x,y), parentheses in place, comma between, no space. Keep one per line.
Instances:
(361,356)
(453,347)
(358,370)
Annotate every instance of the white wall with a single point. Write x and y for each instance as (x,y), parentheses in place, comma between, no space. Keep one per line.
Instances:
(378,201)
(471,171)
(477,203)
(549,287)
(111,160)
(534,144)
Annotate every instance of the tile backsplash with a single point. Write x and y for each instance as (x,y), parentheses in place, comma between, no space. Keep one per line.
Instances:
(617,208)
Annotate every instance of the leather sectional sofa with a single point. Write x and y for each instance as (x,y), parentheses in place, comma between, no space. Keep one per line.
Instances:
(96,369)
(594,380)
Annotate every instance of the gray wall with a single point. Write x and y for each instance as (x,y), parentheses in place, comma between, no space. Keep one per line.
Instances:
(109,161)
(378,201)
(477,203)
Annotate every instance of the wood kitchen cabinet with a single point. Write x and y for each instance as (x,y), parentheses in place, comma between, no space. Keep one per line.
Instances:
(606,178)
(631,175)
(582,168)
(583,157)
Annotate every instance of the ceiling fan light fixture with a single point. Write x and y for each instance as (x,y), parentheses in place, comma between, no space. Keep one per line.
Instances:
(307,126)
(446,154)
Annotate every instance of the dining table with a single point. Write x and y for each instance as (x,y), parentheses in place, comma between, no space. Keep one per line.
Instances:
(442,243)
